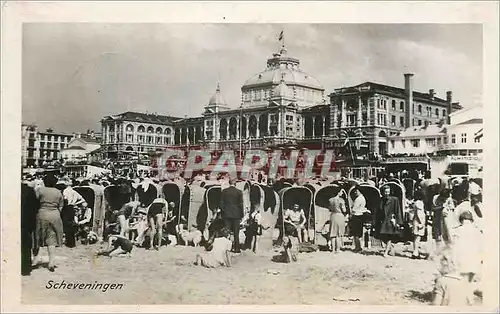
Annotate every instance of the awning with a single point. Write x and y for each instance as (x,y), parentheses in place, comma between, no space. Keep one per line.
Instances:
(478,134)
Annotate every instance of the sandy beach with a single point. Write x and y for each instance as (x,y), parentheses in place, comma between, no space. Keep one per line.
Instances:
(170,277)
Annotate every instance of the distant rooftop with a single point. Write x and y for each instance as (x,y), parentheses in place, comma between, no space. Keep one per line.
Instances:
(87,138)
(74,147)
(416,131)
(366,86)
(143,117)
(472,121)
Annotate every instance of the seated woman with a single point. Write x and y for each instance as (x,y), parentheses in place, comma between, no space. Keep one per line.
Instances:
(219,255)
(295,221)
(117,245)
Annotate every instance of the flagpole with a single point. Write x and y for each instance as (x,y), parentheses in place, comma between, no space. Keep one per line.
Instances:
(352,156)
(350,150)
(241,118)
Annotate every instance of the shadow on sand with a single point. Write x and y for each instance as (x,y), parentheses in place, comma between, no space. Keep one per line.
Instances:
(425,297)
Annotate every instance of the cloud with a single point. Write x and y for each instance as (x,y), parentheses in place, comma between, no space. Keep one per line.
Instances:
(74,74)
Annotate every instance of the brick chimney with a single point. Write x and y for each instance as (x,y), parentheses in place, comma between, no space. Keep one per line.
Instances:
(408,99)
(449,101)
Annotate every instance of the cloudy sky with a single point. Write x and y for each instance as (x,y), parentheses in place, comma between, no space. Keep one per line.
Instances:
(74,74)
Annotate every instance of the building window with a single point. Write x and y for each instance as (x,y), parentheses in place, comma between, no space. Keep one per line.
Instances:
(419,109)
(392,144)
(439,141)
(384,102)
(430,142)
(453,139)
(419,122)
(437,112)
(393,106)
(415,143)
(444,112)
(403,143)
(402,121)
(413,122)
(393,120)
(378,103)
(464,137)
(477,139)
(402,106)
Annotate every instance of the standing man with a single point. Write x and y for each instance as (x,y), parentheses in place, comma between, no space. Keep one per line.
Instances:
(231,205)
(72,201)
(29,209)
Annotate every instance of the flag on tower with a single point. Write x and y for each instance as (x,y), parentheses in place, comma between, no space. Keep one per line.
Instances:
(281,36)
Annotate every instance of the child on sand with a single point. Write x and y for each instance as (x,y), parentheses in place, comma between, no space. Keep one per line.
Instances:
(290,251)
(450,288)
(253,230)
(219,255)
(117,245)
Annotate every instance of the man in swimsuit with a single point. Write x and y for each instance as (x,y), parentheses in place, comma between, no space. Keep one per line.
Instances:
(124,215)
(156,212)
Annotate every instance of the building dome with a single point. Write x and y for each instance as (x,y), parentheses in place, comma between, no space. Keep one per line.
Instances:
(282,66)
(216,99)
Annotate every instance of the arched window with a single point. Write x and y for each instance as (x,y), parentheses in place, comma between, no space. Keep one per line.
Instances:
(437,113)
(419,109)
(444,112)
(402,106)
(141,129)
(130,128)
(168,131)
(393,104)
(159,130)
(150,129)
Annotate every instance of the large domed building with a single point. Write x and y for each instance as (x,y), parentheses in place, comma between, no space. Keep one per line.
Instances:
(305,89)
(281,105)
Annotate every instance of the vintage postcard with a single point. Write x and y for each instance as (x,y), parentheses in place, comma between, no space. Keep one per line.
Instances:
(290,156)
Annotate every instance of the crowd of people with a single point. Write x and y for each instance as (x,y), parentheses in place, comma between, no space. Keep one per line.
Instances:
(449,213)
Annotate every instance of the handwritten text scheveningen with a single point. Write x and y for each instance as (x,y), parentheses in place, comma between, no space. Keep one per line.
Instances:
(63,285)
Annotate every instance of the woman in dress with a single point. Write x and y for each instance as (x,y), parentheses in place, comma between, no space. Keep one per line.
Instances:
(49,228)
(388,221)
(337,221)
